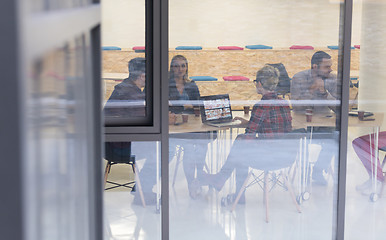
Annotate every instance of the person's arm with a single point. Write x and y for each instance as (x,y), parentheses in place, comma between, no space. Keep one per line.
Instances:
(333,86)
(287,119)
(295,88)
(299,91)
(256,121)
(193,93)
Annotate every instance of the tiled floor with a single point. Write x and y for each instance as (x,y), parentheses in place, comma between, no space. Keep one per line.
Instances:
(205,218)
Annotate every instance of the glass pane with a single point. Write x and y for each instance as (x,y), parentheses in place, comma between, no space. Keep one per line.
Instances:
(272,67)
(52,5)
(365,204)
(57,134)
(123,64)
(131,202)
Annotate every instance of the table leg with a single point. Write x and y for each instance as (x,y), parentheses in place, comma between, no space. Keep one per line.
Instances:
(374,162)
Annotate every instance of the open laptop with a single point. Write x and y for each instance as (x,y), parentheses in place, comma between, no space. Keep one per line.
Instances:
(216,111)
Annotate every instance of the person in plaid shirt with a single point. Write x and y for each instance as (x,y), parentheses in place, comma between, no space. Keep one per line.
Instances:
(270,118)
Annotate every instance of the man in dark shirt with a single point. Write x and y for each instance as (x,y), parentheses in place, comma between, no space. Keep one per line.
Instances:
(128,99)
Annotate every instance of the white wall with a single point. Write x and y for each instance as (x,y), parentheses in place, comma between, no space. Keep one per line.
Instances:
(373,58)
(279,23)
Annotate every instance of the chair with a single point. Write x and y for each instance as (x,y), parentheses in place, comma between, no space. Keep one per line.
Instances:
(284,85)
(282,154)
(120,153)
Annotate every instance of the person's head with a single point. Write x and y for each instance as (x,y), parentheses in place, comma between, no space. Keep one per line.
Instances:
(267,79)
(137,71)
(321,64)
(179,68)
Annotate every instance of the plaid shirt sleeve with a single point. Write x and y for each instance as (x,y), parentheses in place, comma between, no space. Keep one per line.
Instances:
(256,120)
(269,120)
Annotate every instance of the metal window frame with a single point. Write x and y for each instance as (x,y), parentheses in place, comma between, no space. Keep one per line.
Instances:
(342,166)
(11,217)
(149,124)
(157,43)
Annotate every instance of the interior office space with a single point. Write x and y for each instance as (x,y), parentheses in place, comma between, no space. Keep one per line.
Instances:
(63,61)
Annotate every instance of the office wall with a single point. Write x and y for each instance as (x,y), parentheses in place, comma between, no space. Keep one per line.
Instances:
(373,60)
(232,22)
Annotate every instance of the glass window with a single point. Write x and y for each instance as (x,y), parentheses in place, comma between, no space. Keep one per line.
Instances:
(127,89)
(56,168)
(132,201)
(272,68)
(365,203)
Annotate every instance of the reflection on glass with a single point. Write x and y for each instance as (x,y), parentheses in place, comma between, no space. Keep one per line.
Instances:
(132,192)
(56,137)
(365,201)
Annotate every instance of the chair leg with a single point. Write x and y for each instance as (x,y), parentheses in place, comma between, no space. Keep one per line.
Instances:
(266,202)
(139,187)
(178,160)
(241,191)
(107,171)
(294,172)
(206,168)
(291,191)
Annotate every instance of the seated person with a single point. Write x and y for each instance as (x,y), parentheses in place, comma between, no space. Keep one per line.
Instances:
(318,85)
(363,149)
(182,91)
(127,99)
(270,119)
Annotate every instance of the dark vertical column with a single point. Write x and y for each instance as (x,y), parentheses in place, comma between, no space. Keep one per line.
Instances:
(163,26)
(346,24)
(96,213)
(11,217)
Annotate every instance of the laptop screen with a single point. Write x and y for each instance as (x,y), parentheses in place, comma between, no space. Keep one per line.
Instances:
(216,108)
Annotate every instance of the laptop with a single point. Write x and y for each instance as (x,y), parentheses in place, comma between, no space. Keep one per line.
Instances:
(216,111)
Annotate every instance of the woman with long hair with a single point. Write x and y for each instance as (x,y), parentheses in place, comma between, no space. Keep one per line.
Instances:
(183,94)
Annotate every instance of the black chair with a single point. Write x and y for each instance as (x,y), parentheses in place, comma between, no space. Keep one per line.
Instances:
(279,156)
(284,85)
(120,153)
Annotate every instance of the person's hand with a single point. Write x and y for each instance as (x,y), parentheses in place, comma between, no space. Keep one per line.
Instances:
(318,86)
(242,120)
